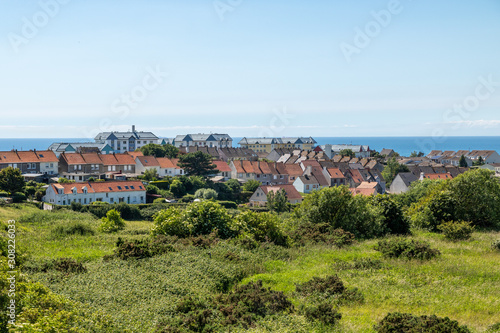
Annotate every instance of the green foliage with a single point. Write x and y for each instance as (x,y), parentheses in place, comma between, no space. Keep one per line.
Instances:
(228,204)
(73,228)
(277,202)
(495,245)
(262,227)
(392,169)
(187,198)
(472,196)
(406,248)
(478,162)
(246,303)
(457,230)
(18,197)
(251,185)
(177,188)
(112,222)
(347,152)
(150,175)
(162,184)
(199,218)
(337,207)
(462,163)
(63,180)
(417,191)
(156,150)
(331,285)
(408,323)
(417,154)
(392,213)
(324,312)
(11,180)
(158,201)
(206,193)
(142,248)
(321,233)
(152,189)
(3,194)
(197,164)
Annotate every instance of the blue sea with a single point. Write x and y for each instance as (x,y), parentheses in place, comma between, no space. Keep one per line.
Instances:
(403,145)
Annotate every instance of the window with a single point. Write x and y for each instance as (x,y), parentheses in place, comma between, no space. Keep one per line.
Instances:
(111,199)
(126,187)
(307,187)
(119,187)
(85,200)
(40,155)
(124,142)
(51,165)
(109,167)
(131,186)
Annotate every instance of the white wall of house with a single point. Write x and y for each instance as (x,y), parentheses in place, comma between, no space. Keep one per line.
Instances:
(132,197)
(49,167)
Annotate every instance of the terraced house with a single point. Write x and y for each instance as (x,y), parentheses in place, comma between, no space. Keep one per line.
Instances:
(30,162)
(204,140)
(269,144)
(132,192)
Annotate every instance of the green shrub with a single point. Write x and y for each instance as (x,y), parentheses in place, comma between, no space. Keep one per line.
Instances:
(322,233)
(228,204)
(457,230)
(323,312)
(76,206)
(128,212)
(112,222)
(157,200)
(3,194)
(496,245)
(205,193)
(331,285)
(73,228)
(262,227)
(64,265)
(142,248)
(406,248)
(18,197)
(187,198)
(407,323)
(246,303)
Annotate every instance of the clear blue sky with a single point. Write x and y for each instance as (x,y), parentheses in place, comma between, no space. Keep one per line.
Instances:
(236,66)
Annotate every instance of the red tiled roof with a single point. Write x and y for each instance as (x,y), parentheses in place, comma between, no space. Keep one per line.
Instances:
(335,173)
(363,191)
(92,158)
(438,175)
(291,191)
(28,156)
(148,161)
(165,163)
(117,159)
(264,166)
(222,166)
(135,154)
(101,187)
(294,170)
(239,166)
(73,158)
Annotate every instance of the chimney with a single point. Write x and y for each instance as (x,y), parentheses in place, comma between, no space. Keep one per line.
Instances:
(422,176)
(308,170)
(133,128)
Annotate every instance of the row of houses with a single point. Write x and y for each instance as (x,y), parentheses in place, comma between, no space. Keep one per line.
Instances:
(451,157)
(32,164)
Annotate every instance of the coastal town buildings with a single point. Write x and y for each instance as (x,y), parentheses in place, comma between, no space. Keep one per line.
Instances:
(269,144)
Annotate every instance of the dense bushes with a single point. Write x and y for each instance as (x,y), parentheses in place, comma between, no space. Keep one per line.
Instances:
(360,215)
(406,248)
(199,218)
(73,228)
(112,222)
(142,248)
(406,323)
(324,312)
(472,196)
(459,230)
(321,233)
(262,227)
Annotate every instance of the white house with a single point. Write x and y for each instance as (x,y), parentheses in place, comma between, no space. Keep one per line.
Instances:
(306,184)
(169,167)
(204,140)
(121,142)
(132,192)
(143,163)
(259,198)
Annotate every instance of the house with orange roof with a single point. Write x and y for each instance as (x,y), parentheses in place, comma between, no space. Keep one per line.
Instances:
(222,171)
(30,163)
(80,167)
(169,167)
(334,176)
(259,198)
(118,165)
(143,163)
(132,192)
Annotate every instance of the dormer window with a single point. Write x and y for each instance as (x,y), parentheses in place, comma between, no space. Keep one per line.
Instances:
(74,190)
(84,189)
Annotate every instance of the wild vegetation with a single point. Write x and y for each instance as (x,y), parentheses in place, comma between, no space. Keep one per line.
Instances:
(337,263)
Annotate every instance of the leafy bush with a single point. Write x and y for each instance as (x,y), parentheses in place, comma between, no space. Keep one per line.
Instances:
(127,212)
(205,193)
(157,200)
(142,248)
(262,227)
(323,312)
(246,303)
(73,228)
(76,206)
(322,233)
(112,222)
(228,204)
(199,218)
(394,217)
(406,248)
(457,230)
(187,198)
(331,285)
(337,207)
(18,197)
(496,245)
(3,194)
(360,264)
(407,323)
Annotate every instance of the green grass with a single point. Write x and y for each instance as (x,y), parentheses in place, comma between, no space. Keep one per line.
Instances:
(462,284)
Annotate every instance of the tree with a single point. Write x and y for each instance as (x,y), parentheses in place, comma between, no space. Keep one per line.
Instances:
(150,175)
(206,193)
(156,150)
(462,162)
(197,164)
(171,151)
(177,188)
(415,154)
(112,222)
(479,162)
(277,202)
(251,185)
(392,169)
(347,152)
(11,180)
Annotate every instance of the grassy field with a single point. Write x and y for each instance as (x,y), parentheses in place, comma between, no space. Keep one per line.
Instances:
(463,283)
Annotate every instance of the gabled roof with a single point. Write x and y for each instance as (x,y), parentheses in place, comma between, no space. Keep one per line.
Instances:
(308,180)
(73,158)
(407,178)
(222,166)
(438,176)
(92,158)
(363,191)
(135,154)
(13,157)
(166,163)
(335,173)
(148,161)
(290,190)
(100,187)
